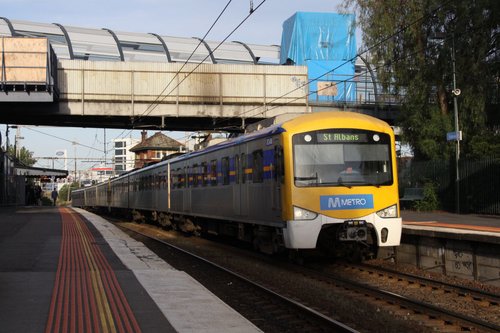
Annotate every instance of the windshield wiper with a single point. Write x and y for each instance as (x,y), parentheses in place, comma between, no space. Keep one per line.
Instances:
(315,177)
(306,178)
(352,183)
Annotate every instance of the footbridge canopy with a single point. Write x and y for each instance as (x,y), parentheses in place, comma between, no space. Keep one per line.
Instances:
(105,78)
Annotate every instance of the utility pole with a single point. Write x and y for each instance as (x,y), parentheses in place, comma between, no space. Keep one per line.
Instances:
(105,152)
(456,93)
(16,144)
(74,144)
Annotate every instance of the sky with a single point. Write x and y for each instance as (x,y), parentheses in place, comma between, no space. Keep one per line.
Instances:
(180,18)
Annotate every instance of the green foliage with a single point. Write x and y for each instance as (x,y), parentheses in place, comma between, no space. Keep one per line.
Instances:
(25,156)
(419,68)
(63,193)
(430,201)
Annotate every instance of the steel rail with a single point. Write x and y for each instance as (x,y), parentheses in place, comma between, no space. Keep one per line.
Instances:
(339,327)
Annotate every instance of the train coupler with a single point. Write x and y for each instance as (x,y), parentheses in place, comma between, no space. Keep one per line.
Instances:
(353,230)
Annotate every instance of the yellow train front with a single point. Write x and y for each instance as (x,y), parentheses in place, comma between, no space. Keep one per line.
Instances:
(341,191)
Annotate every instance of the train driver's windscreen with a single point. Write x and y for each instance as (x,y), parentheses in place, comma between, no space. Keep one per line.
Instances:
(342,157)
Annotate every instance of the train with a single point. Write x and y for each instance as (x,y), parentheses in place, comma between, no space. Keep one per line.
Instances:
(319,181)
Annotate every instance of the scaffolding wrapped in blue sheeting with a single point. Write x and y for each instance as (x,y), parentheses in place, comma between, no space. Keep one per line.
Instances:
(326,43)
(331,81)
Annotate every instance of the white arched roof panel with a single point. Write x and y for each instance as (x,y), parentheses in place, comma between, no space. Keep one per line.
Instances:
(230,52)
(266,53)
(136,37)
(181,48)
(4,28)
(51,31)
(94,44)
(99,44)
(141,47)
(26,27)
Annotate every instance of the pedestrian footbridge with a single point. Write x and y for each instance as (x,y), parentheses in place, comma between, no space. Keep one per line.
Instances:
(173,96)
(69,76)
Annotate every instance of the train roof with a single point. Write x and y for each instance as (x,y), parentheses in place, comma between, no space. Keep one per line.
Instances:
(342,119)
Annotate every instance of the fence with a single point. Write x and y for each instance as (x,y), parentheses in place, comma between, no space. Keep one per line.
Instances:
(479,185)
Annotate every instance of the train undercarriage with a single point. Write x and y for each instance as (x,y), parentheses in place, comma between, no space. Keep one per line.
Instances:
(355,243)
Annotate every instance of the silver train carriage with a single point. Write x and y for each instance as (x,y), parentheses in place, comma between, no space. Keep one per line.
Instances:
(324,180)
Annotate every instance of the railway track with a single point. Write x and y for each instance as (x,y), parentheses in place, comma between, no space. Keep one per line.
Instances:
(481,297)
(267,309)
(416,314)
(437,317)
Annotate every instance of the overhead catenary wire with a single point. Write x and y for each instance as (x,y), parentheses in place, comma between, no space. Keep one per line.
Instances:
(368,49)
(157,100)
(400,30)
(182,67)
(155,103)
(63,139)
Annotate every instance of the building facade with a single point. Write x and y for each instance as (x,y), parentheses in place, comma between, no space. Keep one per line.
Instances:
(124,159)
(155,148)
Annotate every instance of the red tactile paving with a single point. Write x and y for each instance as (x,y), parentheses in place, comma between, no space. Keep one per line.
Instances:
(86,296)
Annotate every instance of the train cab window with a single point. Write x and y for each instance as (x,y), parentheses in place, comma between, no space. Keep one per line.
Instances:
(204,175)
(342,157)
(225,170)
(213,172)
(258,166)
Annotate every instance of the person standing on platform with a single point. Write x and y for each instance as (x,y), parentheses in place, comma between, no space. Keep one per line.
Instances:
(54,196)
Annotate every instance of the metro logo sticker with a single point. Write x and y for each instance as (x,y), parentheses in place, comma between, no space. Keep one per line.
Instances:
(346,202)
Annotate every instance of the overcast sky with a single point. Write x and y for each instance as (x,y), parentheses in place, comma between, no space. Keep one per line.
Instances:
(181,18)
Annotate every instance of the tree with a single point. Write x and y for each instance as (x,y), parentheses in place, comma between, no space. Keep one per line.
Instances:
(24,155)
(413,64)
(64,196)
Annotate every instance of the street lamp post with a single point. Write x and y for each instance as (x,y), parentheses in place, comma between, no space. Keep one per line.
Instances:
(458,136)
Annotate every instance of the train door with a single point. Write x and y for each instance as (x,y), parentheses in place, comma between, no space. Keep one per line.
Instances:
(236,168)
(169,184)
(243,184)
(186,199)
(277,179)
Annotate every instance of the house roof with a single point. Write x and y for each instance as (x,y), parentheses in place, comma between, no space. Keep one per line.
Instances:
(157,141)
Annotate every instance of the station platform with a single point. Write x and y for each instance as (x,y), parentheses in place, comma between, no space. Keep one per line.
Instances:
(67,270)
(484,228)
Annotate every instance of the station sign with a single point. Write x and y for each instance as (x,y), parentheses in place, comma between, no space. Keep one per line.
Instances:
(454,136)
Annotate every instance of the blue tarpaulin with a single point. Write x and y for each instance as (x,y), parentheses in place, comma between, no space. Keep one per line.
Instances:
(326,43)
(331,81)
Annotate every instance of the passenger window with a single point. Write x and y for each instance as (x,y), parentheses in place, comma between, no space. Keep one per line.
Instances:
(195,175)
(213,172)
(225,170)
(204,175)
(237,171)
(258,166)
(243,168)
(185,180)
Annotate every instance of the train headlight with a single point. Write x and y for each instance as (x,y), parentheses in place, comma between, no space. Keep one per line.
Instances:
(303,214)
(391,211)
